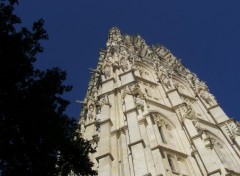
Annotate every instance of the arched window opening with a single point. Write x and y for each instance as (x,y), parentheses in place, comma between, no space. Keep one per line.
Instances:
(166,131)
(162,134)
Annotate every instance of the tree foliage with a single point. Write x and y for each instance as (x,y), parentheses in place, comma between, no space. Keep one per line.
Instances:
(36,136)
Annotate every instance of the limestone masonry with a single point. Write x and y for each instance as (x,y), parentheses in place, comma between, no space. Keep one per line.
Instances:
(148,115)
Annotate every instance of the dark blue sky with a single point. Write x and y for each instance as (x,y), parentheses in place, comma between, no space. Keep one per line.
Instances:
(205,34)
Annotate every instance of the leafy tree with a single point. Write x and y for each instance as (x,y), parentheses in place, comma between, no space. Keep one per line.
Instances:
(36,137)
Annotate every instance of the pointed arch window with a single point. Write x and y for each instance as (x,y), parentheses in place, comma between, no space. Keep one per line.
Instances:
(166,131)
(160,128)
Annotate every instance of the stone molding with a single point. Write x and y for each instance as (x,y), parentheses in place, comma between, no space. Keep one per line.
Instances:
(214,172)
(104,155)
(169,150)
(137,142)
(175,106)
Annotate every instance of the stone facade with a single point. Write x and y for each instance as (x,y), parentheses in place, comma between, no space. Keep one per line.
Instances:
(146,114)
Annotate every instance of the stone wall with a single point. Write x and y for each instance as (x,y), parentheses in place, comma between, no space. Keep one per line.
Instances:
(147,114)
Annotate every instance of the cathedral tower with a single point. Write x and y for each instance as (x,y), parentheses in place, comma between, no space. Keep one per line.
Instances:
(148,115)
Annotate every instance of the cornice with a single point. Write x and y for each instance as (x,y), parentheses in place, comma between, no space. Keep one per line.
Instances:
(169,150)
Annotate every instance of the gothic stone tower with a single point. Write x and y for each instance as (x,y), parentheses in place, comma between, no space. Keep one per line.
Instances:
(148,115)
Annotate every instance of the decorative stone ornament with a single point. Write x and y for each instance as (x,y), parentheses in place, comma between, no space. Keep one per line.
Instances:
(208,98)
(182,131)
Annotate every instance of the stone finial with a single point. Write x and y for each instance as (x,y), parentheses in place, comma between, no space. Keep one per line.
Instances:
(114,36)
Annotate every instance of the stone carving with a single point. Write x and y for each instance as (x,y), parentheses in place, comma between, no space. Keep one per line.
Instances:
(114,36)
(93,95)
(97,76)
(232,129)
(140,69)
(159,120)
(208,140)
(186,111)
(128,41)
(237,130)
(164,77)
(90,111)
(179,86)
(107,71)
(113,61)
(140,46)
(97,123)
(124,64)
(136,91)
(148,92)
(167,82)
(193,81)
(104,101)
(189,114)
(131,60)
(208,98)
(127,54)
(137,50)
(161,72)
(102,55)
(160,50)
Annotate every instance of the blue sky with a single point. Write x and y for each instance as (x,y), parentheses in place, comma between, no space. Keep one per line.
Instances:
(205,34)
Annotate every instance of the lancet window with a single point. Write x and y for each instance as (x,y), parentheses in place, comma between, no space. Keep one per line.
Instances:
(166,131)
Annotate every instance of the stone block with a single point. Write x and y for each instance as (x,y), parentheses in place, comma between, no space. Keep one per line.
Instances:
(218,114)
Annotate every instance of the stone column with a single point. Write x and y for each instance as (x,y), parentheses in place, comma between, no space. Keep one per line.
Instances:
(125,159)
(105,157)
(136,144)
(154,141)
(148,152)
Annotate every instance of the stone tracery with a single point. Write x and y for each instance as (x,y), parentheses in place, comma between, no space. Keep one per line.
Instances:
(133,79)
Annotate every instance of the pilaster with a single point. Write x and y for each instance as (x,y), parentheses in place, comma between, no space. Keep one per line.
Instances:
(136,144)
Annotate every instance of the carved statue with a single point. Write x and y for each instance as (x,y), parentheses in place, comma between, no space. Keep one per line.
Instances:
(102,54)
(191,114)
(141,48)
(164,77)
(97,122)
(136,91)
(131,60)
(90,111)
(114,34)
(107,71)
(124,64)
(166,82)
(141,70)
(194,82)
(161,72)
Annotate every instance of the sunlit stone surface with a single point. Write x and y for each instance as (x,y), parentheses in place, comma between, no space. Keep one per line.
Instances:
(148,115)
